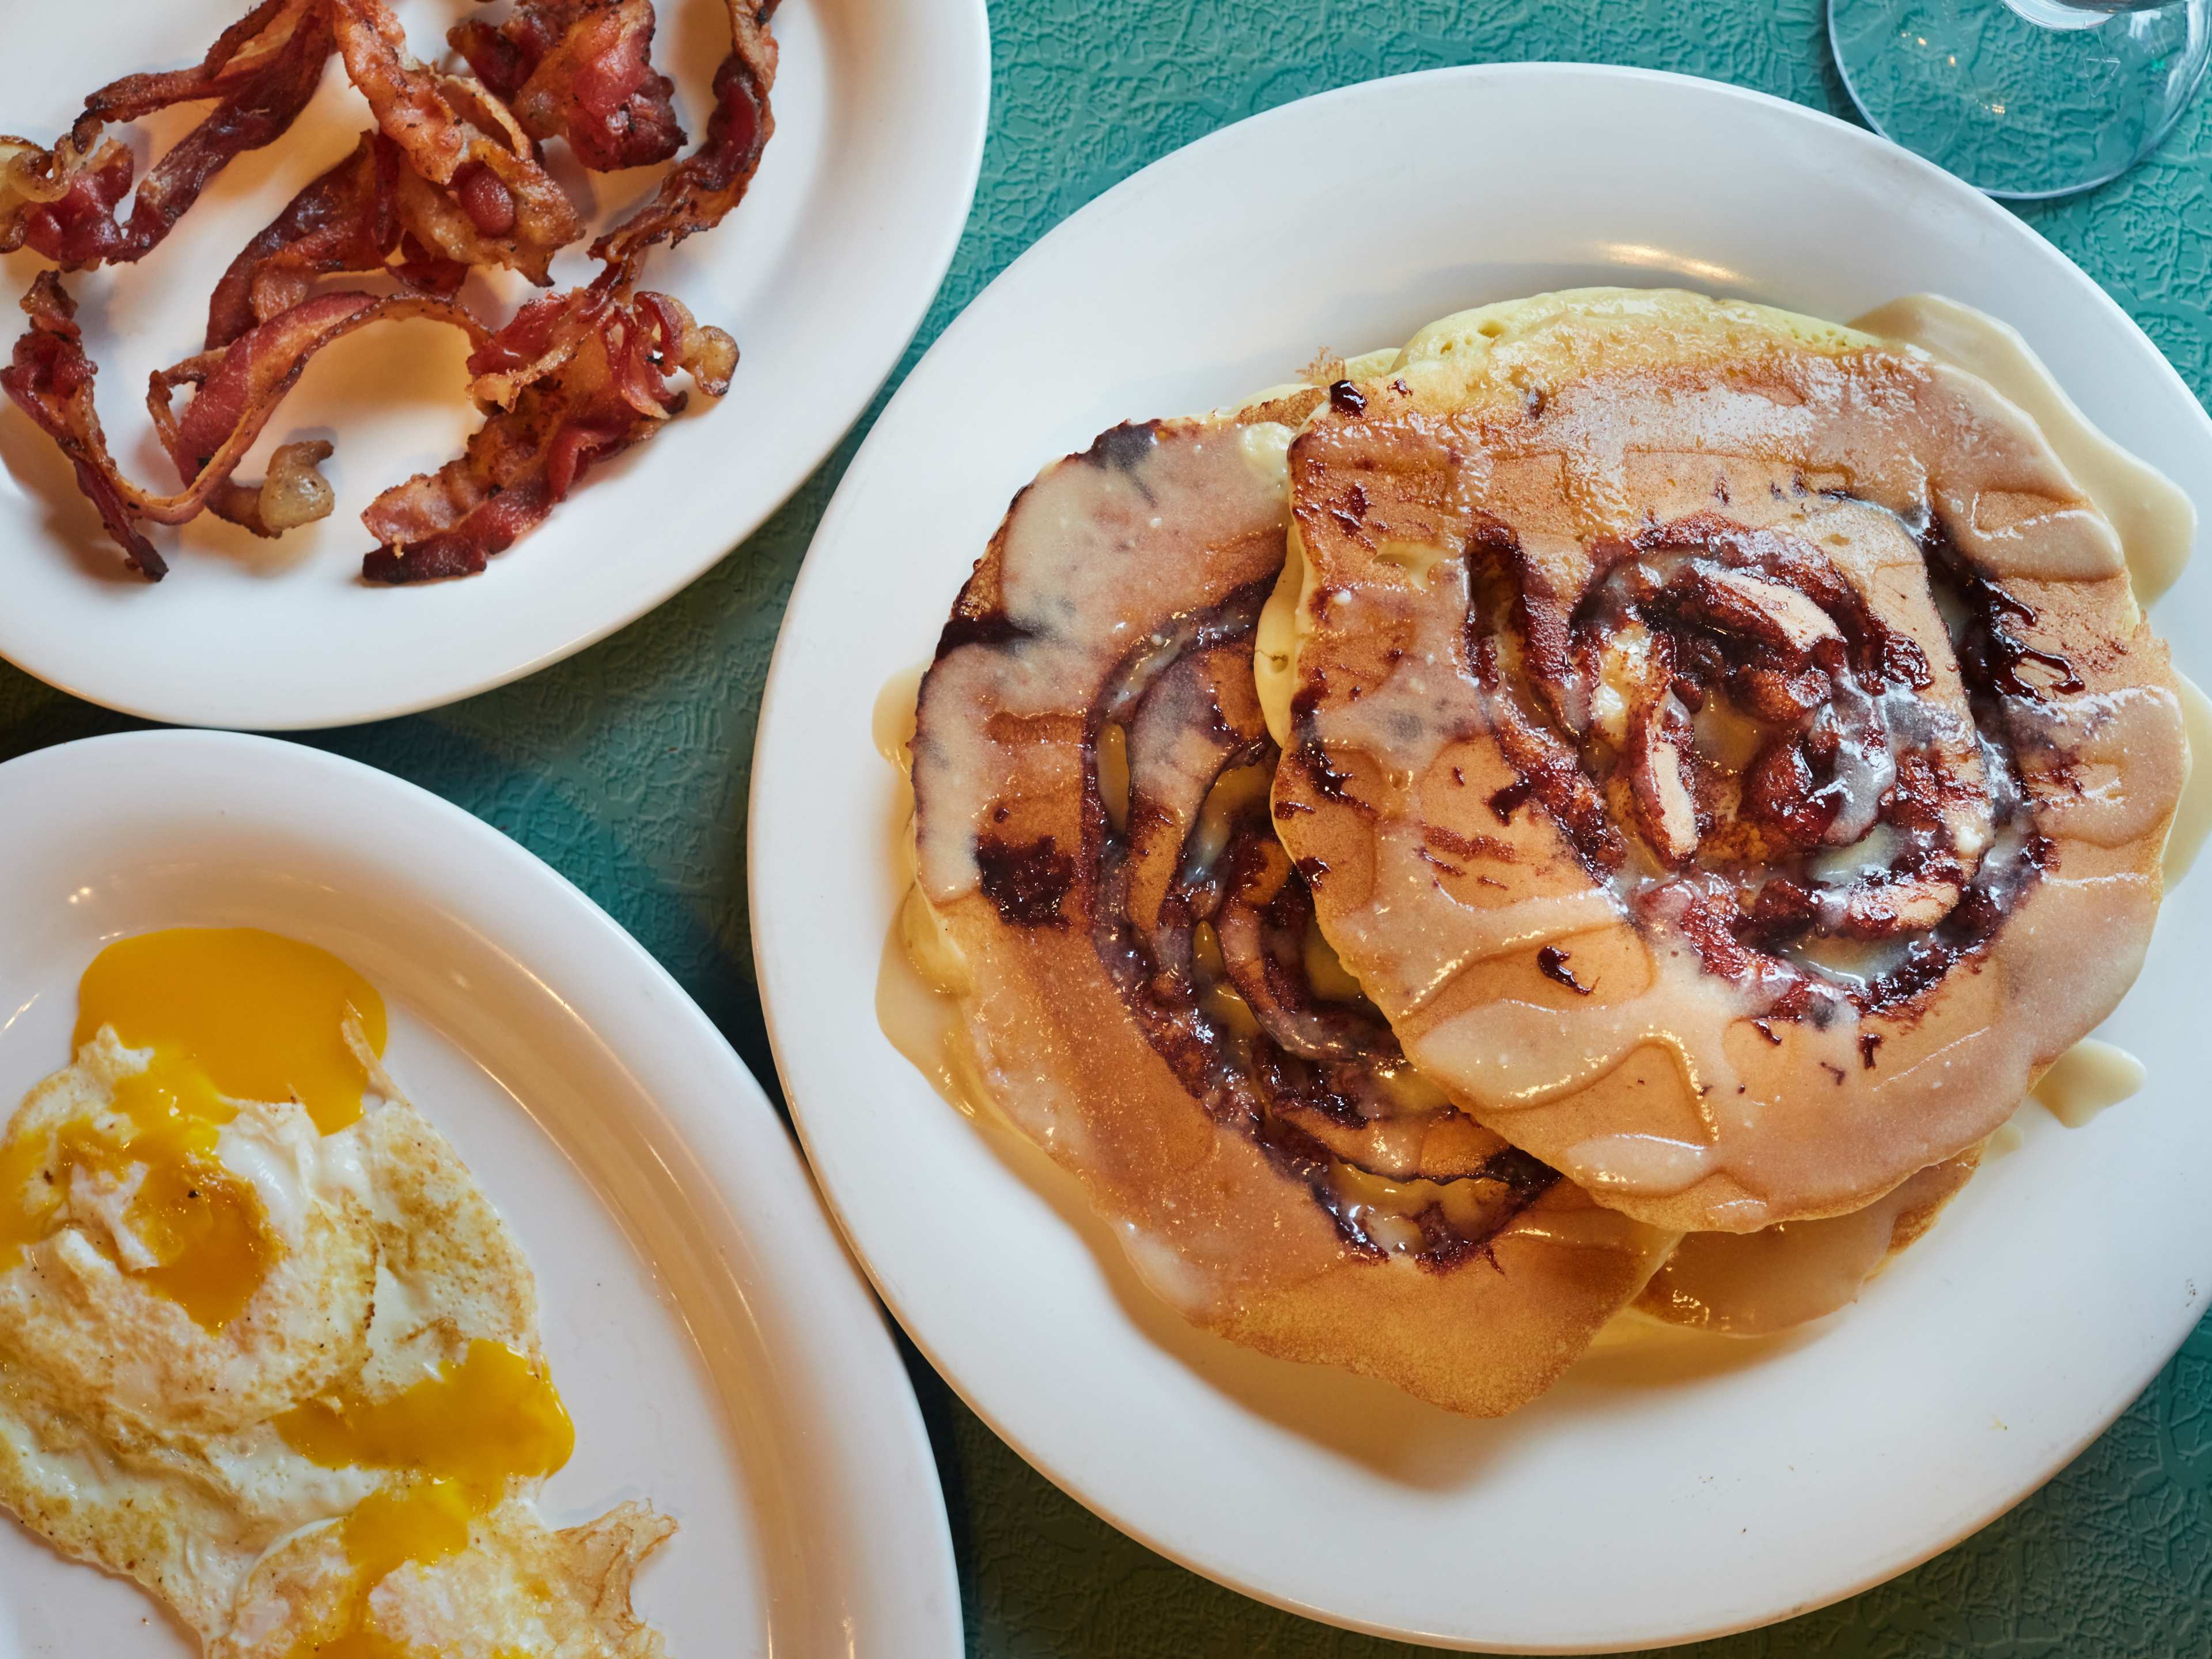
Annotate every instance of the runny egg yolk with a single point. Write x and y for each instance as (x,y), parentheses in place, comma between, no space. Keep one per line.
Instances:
(258,1016)
(462,1434)
(490,1417)
(196,1233)
(230,1013)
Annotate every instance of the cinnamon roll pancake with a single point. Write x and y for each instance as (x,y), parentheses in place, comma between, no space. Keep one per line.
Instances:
(1139,978)
(1726,749)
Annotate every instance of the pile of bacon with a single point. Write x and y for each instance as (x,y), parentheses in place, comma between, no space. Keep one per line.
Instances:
(451,176)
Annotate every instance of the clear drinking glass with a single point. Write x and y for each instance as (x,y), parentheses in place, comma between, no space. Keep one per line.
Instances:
(2023,98)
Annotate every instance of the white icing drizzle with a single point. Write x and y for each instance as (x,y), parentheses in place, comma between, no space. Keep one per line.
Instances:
(2088,1078)
(2192,818)
(1644,1163)
(1899,433)
(2155,517)
(1151,651)
(2124,755)
(1074,592)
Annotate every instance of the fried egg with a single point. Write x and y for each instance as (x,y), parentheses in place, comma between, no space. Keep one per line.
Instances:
(265,1345)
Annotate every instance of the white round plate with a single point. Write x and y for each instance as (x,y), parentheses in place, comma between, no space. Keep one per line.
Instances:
(822,273)
(720,1356)
(1623,1509)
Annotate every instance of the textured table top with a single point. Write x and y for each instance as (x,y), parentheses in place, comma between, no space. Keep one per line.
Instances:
(627,769)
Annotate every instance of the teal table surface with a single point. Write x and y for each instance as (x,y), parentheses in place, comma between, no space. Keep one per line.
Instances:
(627,769)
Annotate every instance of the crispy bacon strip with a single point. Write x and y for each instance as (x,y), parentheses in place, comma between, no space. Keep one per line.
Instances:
(575,378)
(472,190)
(261,72)
(448,179)
(580,69)
(238,388)
(700,189)
(348,220)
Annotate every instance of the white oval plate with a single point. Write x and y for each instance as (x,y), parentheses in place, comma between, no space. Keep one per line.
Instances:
(822,274)
(1614,1513)
(718,1353)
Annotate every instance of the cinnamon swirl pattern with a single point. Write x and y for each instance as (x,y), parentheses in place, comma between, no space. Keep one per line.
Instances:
(1727,750)
(1137,968)
(1587,812)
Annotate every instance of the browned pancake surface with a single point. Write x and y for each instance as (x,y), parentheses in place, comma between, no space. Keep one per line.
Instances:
(1727,751)
(1141,981)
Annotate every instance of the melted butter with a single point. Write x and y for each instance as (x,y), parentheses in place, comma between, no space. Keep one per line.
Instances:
(1219,998)
(256,1016)
(1325,970)
(1726,736)
(1758,1282)
(922,971)
(2192,819)
(2086,1078)
(1411,1094)
(892,725)
(1113,773)
(1386,1209)
(1206,952)
(917,1019)
(920,1017)
(2155,519)
(1225,1005)
(1283,623)
(1237,789)
(2008,1137)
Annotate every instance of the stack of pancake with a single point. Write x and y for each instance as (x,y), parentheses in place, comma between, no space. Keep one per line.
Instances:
(1584,811)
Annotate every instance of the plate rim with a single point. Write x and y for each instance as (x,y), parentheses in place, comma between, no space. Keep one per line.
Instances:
(908,1611)
(966,27)
(764,909)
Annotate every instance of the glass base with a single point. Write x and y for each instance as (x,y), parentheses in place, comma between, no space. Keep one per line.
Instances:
(2023,98)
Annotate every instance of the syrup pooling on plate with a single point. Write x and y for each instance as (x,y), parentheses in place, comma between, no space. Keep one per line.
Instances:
(1754,679)
(1784,1276)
